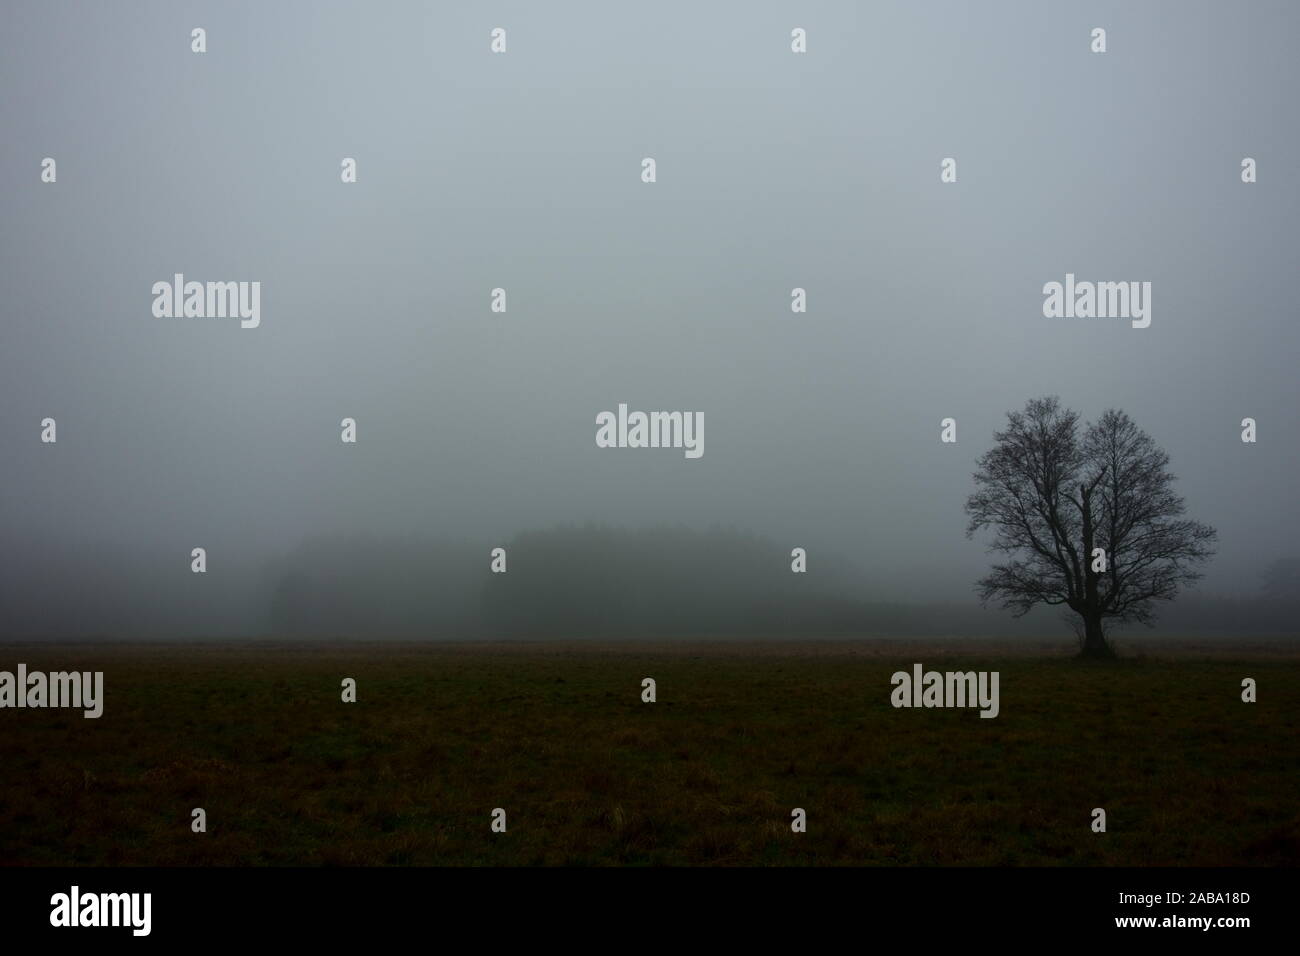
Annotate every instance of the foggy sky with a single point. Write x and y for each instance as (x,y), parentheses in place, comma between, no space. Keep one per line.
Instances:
(522,171)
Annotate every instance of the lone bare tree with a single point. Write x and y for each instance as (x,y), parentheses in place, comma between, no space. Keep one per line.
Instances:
(1088,520)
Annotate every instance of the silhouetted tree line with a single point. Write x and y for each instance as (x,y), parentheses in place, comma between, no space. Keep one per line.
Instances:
(570,581)
(567,582)
(648,582)
(591,581)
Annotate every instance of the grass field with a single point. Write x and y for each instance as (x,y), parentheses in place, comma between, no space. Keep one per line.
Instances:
(557,735)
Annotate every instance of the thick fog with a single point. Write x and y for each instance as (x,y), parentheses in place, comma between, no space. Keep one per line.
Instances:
(522,171)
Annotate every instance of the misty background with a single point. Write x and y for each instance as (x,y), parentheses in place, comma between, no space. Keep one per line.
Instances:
(476,430)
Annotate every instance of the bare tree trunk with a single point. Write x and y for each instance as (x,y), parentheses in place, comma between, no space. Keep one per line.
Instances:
(1094,640)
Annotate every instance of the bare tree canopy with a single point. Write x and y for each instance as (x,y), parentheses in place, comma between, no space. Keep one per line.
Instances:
(1087,517)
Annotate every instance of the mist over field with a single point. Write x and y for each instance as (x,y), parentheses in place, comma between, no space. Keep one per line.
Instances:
(564,583)
(476,429)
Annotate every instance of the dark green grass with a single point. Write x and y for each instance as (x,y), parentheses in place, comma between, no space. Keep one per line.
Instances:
(557,735)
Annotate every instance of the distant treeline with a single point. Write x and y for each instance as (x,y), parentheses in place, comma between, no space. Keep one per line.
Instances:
(600,582)
(585,581)
(568,581)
